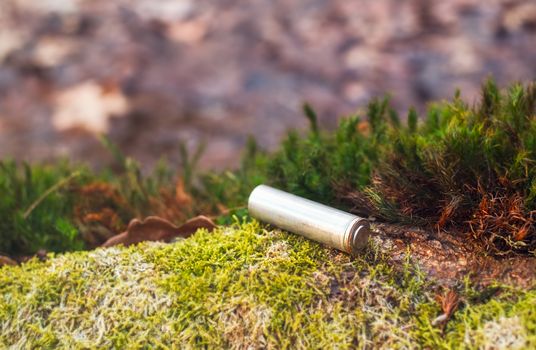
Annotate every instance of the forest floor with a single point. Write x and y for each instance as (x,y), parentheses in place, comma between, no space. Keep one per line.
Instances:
(153,74)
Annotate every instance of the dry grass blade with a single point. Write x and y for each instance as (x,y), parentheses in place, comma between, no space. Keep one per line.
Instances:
(47,193)
(449,303)
(509,223)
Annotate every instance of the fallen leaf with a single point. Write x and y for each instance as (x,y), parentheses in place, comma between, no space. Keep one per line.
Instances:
(89,105)
(4,260)
(154,228)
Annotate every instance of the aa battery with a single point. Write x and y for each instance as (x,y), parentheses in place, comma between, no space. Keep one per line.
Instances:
(313,220)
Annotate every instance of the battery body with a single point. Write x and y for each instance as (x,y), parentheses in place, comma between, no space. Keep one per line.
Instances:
(310,219)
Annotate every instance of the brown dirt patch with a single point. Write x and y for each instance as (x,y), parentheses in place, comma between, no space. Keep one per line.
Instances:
(450,257)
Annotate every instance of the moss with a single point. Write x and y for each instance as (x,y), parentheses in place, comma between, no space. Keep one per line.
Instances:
(63,207)
(243,286)
(33,210)
(463,167)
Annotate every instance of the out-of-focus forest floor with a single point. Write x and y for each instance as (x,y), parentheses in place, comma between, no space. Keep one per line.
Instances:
(152,74)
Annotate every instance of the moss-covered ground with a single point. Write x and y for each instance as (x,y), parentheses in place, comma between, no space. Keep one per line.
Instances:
(246,286)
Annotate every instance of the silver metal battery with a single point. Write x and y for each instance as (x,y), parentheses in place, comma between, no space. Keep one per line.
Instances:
(315,221)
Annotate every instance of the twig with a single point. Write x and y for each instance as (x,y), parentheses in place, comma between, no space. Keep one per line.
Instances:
(56,186)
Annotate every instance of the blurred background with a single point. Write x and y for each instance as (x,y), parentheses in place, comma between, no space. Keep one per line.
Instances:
(153,73)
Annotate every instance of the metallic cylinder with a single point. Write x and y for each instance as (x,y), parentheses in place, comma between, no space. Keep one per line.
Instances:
(315,221)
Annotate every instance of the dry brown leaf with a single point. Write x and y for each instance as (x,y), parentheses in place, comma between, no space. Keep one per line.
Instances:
(4,260)
(154,228)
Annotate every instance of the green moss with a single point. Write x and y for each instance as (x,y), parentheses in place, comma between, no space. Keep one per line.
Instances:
(461,167)
(48,206)
(243,286)
(31,218)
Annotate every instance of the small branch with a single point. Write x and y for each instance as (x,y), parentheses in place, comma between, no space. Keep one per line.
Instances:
(52,189)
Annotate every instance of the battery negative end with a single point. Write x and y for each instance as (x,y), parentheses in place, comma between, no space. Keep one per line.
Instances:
(359,237)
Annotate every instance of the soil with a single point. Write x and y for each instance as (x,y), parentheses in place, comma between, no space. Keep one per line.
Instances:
(450,257)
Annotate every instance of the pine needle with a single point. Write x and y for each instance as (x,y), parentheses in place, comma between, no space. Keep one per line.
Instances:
(51,190)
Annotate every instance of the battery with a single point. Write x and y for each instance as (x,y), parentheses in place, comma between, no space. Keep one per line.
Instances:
(318,222)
